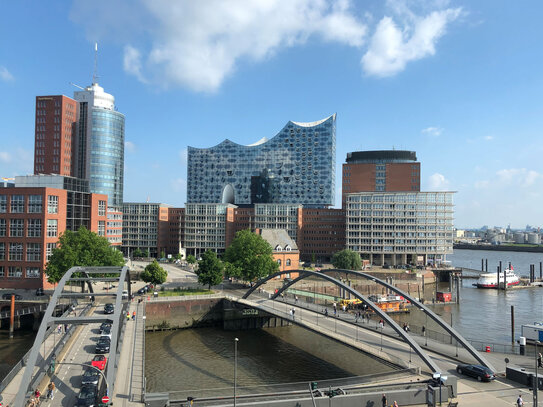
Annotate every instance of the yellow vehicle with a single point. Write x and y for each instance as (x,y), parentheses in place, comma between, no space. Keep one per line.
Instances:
(350,303)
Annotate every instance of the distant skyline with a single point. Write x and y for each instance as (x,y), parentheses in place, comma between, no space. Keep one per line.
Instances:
(456,81)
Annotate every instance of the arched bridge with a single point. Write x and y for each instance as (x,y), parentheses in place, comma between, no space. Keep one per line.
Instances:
(416,348)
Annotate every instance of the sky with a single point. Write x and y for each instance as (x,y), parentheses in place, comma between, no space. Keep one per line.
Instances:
(459,82)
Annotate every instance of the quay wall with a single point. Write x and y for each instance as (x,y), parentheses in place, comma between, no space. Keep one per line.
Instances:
(499,247)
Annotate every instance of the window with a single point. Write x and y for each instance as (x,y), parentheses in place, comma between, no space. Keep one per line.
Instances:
(17,204)
(35,204)
(2,227)
(33,252)
(15,272)
(49,250)
(101,228)
(1,271)
(32,272)
(101,208)
(3,203)
(2,251)
(52,204)
(52,226)
(279,262)
(16,227)
(288,262)
(33,228)
(15,252)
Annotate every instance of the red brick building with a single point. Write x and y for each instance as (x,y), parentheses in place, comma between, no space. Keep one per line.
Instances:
(322,233)
(31,221)
(285,251)
(56,118)
(386,170)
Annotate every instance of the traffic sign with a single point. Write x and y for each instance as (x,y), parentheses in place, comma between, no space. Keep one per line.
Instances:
(105,399)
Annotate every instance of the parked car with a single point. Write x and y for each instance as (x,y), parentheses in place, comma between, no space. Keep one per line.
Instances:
(481,373)
(103,345)
(91,376)
(88,396)
(106,332)
(7,296)
(125,294)
(109,308)
(142,291)
(318,265)
(39,292)
(104,326)
(306,264)
(99,362)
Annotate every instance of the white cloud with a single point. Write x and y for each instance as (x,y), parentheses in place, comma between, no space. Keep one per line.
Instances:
(132,63)
(394,44)
(489,138)
(183,156)
(432,131)
(5,75)
(438,182)
(517,176)
(5,157)
(129,146)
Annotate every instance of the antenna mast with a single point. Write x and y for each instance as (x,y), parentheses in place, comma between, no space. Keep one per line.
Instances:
(95,75)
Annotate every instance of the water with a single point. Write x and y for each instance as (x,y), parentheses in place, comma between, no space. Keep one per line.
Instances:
(203,358)
(12,350)
(485,315)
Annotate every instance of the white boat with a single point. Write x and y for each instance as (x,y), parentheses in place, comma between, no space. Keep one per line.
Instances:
(490,280)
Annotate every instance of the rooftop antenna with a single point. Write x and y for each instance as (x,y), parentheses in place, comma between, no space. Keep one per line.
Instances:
(95,75)
(77,86)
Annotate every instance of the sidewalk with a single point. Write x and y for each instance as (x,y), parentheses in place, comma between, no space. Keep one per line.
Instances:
(129,383)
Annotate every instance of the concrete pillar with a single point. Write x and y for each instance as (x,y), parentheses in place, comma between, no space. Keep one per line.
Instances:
(11,316)
(404,258)
(382,259)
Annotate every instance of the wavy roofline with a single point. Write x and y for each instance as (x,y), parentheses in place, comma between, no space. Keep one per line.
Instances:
(260,142)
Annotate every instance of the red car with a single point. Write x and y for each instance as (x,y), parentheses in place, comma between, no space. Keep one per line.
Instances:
(99,361)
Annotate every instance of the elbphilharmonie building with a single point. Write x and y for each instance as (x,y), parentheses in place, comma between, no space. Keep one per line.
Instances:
(297,166)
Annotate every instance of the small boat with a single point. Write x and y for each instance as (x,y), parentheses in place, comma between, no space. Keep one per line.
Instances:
(490,280)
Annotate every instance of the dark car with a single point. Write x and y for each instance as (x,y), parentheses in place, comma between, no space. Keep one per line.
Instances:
(7,296)
(88,396)
(91,376)
(481,373)
(306,264)
(105,325)
(103,345)
(318,265)
(109,308)
(39,292)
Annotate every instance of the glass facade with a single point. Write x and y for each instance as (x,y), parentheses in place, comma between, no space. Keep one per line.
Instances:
(297,166)
(106,170)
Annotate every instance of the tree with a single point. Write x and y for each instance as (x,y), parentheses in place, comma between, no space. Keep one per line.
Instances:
(178,256)
(137,253)
(347,259)
(250,257)
(210,269)
(191,259)
(82,248)
(154,274)
(162,254)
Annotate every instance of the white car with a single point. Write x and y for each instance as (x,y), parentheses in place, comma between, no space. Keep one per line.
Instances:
(125,294)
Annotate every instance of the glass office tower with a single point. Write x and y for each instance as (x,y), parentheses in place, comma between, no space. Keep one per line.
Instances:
(100,143)
(297,166)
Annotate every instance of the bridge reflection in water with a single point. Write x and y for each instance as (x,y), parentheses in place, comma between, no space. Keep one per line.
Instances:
(199,362)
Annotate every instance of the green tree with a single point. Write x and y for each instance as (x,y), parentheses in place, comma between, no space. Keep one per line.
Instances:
(250,257)
(82,248)
(162,254)
(178,256)
(191,259)
(210,269)
(313,258)
(347,260)
(154,274)
(138,253)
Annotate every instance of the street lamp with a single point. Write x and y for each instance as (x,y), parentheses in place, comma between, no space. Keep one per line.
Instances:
(536,384)
(236,340)
(381,325)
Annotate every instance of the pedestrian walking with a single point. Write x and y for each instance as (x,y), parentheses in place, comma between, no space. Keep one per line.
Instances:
(395,404)
(134,316)
(423,330)
(384,400)
(293,312)
(65,328)
(128,316)
(59,329)
(344,308)
(51,391)
(326,312)
(520,402)
(295,299)
(539,360)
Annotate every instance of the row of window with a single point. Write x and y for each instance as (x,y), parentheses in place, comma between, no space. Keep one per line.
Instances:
(33,228)
(17,272)
(17,251)
(16,204)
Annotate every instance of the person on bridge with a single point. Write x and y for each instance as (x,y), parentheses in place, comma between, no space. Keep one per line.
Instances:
(134,316)
(539,360)
(395,404)
(128,316)
(51,390)
(520,402)
(384,400)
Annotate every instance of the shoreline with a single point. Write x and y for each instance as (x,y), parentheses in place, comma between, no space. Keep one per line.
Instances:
(498,248)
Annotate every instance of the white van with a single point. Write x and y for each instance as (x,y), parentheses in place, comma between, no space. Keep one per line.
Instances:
(125,294)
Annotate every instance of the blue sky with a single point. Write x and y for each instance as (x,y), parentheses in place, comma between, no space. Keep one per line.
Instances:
(459,82)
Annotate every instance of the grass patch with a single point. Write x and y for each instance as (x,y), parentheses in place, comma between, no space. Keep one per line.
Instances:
(184,291)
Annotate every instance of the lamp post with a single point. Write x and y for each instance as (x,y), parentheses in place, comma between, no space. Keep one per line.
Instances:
(536,384)
(236,340)
(381,325)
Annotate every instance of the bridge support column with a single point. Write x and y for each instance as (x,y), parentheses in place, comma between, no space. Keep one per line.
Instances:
(11,316)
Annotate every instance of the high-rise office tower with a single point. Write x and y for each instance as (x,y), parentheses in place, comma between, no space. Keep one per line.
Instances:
(55,126)
(99,143)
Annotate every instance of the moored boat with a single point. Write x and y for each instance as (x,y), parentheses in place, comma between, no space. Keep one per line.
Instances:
(490,280)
